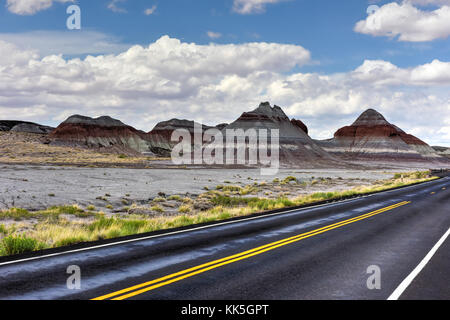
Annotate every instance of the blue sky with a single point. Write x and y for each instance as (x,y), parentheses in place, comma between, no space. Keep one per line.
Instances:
(336,64)
(325,27)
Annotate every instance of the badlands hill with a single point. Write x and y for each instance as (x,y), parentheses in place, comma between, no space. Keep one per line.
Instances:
(372,137)
(296,147)
(103,133)
(24,126)
(442,151)
(160,136)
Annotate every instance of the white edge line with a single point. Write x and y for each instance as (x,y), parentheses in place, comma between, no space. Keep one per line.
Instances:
(410,278)
(195,229)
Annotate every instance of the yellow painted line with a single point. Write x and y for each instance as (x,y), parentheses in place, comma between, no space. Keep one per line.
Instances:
(240,256)
(230,257)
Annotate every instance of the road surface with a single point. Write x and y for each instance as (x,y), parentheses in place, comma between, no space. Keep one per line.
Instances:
(323,252)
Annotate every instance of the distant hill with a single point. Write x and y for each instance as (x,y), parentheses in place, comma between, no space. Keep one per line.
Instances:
(296,147)
(160,136)
(443,151)
(103,132)
(372,137)
(24,126)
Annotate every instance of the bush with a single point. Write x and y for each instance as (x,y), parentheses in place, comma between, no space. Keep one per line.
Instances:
(101,224)
(184,209)
(19,244)
(3,229)
(181,222)
(289,179)
(15,213)
(187,200)
(226,201)
(232,188)
(75,210)
(157,209)
(69,241)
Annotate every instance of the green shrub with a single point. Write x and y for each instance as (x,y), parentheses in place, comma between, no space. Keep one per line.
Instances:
(101,224)
(11,245)
(157,209)
(16,214)
(3,229)
(289,179)
(226,201)
(74,210)
(69,241)
(181,222)
(128,227)
(184,209)
(118,227)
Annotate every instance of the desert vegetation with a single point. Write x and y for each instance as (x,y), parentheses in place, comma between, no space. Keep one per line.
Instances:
(24,231)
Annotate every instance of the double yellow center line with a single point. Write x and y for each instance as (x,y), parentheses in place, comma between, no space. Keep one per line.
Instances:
(187,273)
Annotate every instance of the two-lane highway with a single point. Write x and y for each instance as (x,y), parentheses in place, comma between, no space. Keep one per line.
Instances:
(322,252)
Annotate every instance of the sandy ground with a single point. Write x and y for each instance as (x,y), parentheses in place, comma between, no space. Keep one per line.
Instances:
(39,187)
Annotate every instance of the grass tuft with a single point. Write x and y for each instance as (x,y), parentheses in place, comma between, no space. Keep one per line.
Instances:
(12,244)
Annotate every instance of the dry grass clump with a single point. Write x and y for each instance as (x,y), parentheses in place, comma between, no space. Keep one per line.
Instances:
(157,209)
(19,214)
(184,209)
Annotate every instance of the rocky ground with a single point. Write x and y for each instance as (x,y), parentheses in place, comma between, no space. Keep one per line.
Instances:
(160,191)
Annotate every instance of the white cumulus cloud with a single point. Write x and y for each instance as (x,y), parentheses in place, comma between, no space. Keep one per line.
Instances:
(408,22)
(430,2)
(252,6)
(216,83)
(150,11)
(30,7)
(66,42)
(114,6)
(214,35)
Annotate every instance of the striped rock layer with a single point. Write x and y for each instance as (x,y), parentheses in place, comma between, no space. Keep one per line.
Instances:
(296,148)
(371,136)
(102,132)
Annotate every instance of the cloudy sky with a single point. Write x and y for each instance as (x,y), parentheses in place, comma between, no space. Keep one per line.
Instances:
(144,61)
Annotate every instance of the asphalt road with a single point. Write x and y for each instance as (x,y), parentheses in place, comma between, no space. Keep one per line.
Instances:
(322,252)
